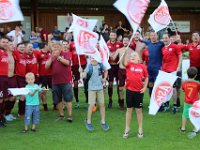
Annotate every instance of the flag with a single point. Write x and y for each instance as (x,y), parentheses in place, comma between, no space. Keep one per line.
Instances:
(84,23)
(86,42)
(134,10)
(162,91)
(104,53)
(10,11)
(194,115)
(160,17)
(185,67)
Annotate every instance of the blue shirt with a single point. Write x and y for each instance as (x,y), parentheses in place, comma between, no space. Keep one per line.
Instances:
(155,54)
(55,37)
(33,100)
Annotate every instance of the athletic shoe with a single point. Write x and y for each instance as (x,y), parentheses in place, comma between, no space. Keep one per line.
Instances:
(69,119)
(76,106)
(182,130)
(94,109)
(33,130)
(24,131)
(110,104)
(140,135)
(104,126)
(8,118)
(60,118)
(14,118)
(88,126)
(174,109)
(126,134)
(2,125)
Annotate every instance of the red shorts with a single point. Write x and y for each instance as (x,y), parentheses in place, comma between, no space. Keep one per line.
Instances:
(12,83)
(113,73)
(21,82)
(121,77)
(76,73)
(3,87)
(46,81)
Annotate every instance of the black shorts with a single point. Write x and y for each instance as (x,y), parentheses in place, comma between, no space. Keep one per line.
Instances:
(134,99)
(178,82)
(121,77)
(3,87)
(46,81)
(113,73)
(12,83)
(76,73)
(62,92)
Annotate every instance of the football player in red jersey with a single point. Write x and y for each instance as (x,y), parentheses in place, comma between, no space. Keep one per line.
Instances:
(113,45)
(3,78)
(171,62)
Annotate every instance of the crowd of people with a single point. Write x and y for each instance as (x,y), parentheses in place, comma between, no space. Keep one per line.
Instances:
(51,61)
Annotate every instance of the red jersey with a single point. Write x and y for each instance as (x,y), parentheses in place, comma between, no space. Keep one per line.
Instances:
(134,76)
(194,52)
(3,63)
(60,72)
(145,56)
(75,56)
(191,89)
(43,35)
(170,59)
(42,59)
(20,63)
(113,48)
(32,62)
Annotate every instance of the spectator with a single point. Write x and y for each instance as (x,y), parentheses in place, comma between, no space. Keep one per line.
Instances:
(105,32)
(34,39)
(16,35)
(56,34)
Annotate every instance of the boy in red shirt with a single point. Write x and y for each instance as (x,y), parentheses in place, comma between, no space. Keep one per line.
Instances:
(191,89)
(136,73)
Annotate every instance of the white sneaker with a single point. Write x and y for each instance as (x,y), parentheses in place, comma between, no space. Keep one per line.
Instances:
(140,135)
(11,116)
(8,118)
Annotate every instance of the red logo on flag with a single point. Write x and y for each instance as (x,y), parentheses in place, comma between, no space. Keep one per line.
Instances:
(82,23)
(104,54)
(6,10)
(136,10)
(195,107)
(161,92)
(86,40)
(162,16)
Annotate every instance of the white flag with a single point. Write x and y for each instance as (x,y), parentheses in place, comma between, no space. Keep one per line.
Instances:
(185,67)
(160,17)
(84,23)
(104,52)
(19,91)
(194,114)
(134,10)
(162,91)
(86,42)
(10,11)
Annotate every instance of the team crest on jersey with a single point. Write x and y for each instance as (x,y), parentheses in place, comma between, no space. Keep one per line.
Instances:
(117,46)
(170,49)
(198,47)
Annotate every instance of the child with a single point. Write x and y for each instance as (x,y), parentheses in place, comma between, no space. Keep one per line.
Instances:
(95,91)
(32,103)
(135,89)
(191,89)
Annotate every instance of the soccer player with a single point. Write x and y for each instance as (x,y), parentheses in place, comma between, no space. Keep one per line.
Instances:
(113,45)
(75,70)
(122,70)
(155,58)
(194,52)
(12,83)
(44,74)
(171,62)
(20,71)
(3,78)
